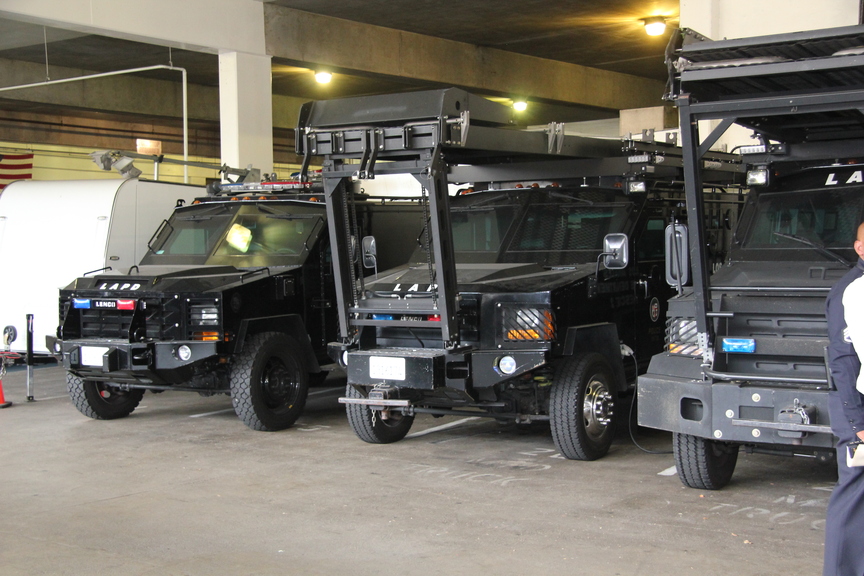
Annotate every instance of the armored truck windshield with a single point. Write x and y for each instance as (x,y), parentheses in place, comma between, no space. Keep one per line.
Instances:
(243,235)
(552,227)
(802,225)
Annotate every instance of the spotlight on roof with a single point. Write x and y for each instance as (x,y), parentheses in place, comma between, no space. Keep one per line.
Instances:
(107,159)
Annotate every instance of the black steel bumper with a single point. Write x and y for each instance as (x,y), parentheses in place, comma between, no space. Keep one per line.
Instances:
(133,362)
(673,396)
(431,368)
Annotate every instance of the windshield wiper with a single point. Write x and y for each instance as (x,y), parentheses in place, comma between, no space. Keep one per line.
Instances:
(819,248)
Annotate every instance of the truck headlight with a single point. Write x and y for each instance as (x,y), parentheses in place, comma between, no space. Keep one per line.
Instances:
(203,315)
(531,324)
(507,365)
(682,337)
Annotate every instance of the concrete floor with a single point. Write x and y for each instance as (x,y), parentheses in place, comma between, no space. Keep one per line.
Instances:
(183,487)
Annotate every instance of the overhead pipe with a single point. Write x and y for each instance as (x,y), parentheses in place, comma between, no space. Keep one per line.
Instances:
(118,73)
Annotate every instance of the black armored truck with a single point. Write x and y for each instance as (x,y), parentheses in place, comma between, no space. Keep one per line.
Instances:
(745,358)
(235,296)
(535,291)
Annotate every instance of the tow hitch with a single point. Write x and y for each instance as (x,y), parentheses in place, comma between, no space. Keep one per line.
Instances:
(382,398)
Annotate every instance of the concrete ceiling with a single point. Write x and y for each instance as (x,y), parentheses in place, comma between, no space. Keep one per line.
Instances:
(603,34)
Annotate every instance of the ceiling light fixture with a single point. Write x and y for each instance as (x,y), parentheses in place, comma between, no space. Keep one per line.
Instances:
(654,25)
(323,77)
(520,105)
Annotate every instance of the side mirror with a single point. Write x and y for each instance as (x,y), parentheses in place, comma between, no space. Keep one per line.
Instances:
(615,252)
(677,255)
(370,253)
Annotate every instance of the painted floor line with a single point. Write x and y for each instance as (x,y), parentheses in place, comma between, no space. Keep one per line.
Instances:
(212,413)
(671,471)
(442,427)
(324,391)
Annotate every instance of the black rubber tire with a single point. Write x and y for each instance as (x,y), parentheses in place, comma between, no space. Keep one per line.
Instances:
(704,464)
(269,382)
(375,430)
(101,401)
(582,406)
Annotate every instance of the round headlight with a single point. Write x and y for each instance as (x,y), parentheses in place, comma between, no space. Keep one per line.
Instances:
(345,358)
(507,365)
(58,347)
(184,353)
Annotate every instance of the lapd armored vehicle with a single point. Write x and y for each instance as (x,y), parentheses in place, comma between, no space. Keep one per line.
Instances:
(535,295)
(235,296)
(744,365)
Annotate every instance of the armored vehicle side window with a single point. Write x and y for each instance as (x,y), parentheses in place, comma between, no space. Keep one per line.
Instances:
(650,245)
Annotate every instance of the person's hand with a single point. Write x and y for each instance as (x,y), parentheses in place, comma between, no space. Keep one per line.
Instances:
(860,435)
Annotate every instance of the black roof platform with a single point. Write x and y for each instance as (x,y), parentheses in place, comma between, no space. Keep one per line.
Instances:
(442,137)
(466,127)
(823,70)
(802,94)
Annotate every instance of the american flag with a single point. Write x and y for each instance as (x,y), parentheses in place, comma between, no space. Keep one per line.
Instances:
(15,167)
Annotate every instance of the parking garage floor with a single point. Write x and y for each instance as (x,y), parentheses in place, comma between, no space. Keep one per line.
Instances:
(183,487)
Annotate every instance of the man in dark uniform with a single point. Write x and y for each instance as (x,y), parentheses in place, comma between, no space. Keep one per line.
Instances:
(844,525)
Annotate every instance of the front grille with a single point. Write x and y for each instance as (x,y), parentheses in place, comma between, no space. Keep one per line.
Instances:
(790,336)
(106,323)
(152,319)
(162,318)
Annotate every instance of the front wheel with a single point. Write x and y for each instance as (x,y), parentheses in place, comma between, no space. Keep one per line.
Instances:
(101,400)
(370,426)
(269,382)
(582,406)
(704,464)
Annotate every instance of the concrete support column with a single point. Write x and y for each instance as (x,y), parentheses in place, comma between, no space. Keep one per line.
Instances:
(246,110)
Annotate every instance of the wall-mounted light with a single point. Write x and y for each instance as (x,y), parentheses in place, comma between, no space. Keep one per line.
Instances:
(323,77)
(520,105)
(654,25)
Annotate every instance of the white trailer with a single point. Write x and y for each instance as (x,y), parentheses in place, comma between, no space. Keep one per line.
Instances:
(53,232)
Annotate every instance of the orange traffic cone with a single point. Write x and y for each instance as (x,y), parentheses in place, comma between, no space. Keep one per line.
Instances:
(3,402)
